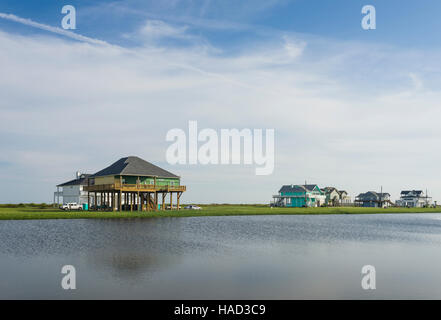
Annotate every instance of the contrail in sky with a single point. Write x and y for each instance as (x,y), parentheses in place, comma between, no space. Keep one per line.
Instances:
(60,31)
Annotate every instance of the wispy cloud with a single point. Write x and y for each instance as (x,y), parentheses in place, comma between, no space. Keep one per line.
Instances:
(154,32)
(160,29)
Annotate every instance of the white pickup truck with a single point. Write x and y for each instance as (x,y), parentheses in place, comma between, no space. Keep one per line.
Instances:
(71,206)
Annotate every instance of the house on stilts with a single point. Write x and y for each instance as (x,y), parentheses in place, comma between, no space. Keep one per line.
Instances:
(132,183)
(307,195)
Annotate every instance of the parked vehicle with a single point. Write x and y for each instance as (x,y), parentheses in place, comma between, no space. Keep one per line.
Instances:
(71,206)
(192,207)
(174,207)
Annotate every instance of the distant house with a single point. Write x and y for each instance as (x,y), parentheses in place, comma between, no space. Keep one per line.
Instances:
(332,196)
(344,197)
(308,195)
(373,199)
(414,199)
(73,190)
(336,197)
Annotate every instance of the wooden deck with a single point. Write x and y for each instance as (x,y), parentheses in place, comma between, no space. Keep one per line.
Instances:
(133,188)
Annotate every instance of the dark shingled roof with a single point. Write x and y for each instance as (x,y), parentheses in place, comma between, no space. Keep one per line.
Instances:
(81,181)
(372,195)
(134,166)
(329,189)
(417,192)
(297,188)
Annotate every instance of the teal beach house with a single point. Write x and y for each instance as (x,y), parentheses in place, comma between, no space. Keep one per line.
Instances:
(294,195)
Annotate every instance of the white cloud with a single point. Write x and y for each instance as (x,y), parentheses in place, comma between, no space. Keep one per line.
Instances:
(294,48)
(417,82)
(158,29)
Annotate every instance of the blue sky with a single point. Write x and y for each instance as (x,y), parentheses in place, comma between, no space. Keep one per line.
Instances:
(352,108)
(225,23)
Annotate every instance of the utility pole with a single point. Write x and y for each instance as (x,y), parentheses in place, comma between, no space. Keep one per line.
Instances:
(306,190)
(427,199)
(381,197)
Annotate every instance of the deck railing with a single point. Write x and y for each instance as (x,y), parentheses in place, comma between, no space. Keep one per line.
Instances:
(134,187)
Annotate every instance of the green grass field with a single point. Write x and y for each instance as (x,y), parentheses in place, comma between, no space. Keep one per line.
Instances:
(22,212)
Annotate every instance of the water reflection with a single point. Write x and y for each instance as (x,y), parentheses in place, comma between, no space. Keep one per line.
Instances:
(261,257)
(132,265)
(131,249)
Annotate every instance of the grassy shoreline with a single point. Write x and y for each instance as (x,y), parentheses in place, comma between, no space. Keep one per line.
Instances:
(9,212)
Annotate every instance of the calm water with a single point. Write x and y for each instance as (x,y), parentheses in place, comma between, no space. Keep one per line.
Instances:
(261,257)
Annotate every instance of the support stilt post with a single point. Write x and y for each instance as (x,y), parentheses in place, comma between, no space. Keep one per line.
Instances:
(171,200)
(120,200)
(88,194)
